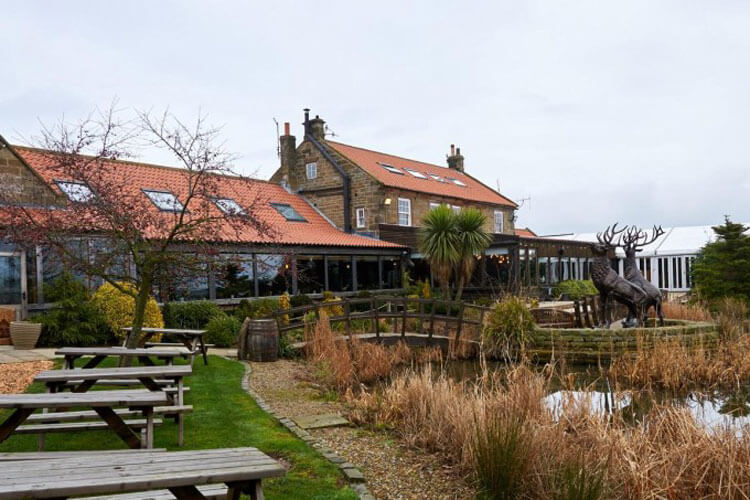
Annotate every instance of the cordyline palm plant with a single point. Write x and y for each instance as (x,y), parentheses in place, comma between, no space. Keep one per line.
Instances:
(449,242)
(472,240)
(439,244)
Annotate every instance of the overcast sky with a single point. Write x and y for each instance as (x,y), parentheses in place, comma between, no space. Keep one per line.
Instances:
(596,111)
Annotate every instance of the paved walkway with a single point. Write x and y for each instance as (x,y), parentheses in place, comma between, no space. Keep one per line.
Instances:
(10,355)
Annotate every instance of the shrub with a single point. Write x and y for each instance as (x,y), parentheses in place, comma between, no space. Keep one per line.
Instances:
(575,289)
(508,328)
(300,300)
(76,322)
(222,330)
(194,314)
(257,308)
(501,455)
(333,310)
(118,308)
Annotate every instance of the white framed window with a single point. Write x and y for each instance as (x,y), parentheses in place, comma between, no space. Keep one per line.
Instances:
(312,170)
(404,212)
(437,178)
(78,192)
(229,206)
(288,212)
(391,168)
(360,213)
(164,200)
(498,221)
(456,208)
(434,205)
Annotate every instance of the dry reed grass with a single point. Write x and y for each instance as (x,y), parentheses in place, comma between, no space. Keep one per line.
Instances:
(667,455)
(690,312)
(342,363)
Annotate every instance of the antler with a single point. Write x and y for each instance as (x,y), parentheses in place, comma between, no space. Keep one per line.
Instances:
(644,239)
(609,235)
(630,238)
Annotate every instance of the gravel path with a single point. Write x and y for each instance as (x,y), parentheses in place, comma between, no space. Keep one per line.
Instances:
(392,471)
(16,377)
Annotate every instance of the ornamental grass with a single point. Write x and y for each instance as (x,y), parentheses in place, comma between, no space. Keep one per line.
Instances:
(499,431)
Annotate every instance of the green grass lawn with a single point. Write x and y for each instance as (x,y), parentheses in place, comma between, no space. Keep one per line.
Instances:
(224,416)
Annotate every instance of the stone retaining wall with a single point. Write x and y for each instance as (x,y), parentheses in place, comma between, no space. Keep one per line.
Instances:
(590,345)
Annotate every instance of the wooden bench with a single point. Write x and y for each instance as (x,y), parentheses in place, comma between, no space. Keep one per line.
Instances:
(154,378)
(190,339)
(102,402)
(99,354)
(547,317)
(33,455)
(185,474)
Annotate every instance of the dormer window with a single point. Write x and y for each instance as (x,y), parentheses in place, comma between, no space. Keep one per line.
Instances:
(288,212)
(77,192)
(229,206)
(164,200)
(391,169)
(416,174)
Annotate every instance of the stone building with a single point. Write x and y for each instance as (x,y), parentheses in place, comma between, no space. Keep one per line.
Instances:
(379,194)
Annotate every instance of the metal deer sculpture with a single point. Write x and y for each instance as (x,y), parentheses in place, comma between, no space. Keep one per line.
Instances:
(610,284)
(633,241)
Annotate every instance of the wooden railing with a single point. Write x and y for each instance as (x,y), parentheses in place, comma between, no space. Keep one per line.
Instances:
(428,313)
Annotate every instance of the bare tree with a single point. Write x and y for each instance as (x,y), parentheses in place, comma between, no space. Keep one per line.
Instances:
(127,239)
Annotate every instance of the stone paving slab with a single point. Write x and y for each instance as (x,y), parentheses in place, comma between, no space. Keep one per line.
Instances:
(320,421)
(10,355)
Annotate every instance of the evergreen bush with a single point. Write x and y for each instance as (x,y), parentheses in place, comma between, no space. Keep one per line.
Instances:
(256,308)
(118,308)
(509,327)
(575,289)
(222,330)
(194,314)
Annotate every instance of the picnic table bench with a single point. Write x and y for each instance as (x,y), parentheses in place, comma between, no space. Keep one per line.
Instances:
(186,475)
(99,354)
(191,339)
(102,402)
(154,378)
(41,455)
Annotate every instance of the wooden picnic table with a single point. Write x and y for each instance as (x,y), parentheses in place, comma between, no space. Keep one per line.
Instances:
(102,402)
(81,380)
(192,339)
(180,472)
(99,354)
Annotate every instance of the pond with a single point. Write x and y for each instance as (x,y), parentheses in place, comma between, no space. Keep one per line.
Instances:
(714,410)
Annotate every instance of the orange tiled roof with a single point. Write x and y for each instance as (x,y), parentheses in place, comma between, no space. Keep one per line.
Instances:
(371,161)
(525,232)
(246,192)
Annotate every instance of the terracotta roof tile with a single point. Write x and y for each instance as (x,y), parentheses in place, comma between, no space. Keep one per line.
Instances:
(525,232)
(372,162)
(246,192)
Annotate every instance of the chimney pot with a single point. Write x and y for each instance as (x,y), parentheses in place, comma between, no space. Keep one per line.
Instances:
(286,128)
(453,149)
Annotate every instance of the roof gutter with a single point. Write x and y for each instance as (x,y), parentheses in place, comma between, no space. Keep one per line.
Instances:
(344,176)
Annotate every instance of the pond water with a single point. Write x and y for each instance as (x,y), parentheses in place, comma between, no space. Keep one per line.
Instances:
(716,410)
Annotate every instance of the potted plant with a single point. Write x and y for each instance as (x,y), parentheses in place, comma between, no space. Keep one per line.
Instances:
(25,334)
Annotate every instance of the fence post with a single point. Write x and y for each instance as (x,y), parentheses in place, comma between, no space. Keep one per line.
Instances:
(462,307)
(421,316)
(347,310)
(377,318)
(403,317)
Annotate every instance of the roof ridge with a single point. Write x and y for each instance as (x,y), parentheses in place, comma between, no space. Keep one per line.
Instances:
(395,156)
(139,163)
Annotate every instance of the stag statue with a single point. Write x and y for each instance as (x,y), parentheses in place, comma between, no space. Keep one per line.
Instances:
(633,241)
(610,284)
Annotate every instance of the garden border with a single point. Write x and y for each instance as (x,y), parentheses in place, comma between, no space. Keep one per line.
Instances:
(352,474)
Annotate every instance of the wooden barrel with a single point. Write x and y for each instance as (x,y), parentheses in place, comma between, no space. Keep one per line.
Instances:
(262,342)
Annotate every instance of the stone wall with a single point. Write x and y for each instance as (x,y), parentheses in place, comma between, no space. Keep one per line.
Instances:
(20,184)
(587,345)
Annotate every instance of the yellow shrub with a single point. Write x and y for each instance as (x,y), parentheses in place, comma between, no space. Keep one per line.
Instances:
(118,308)
(285,303)
(426,293)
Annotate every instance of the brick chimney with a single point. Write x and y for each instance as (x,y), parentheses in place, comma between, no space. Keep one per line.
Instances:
(455,159)
(315,127)
(288,152)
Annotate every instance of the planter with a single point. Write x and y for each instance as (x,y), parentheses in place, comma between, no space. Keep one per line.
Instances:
(24,334)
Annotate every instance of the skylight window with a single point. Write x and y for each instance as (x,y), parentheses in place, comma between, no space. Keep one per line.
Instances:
(78,192)
(416,174)
(391,169)
(437,178)
(456,181)
(288,212)
(164,200)
(229,206)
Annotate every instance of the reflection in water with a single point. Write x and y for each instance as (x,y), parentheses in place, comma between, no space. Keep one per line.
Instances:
(714,411)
